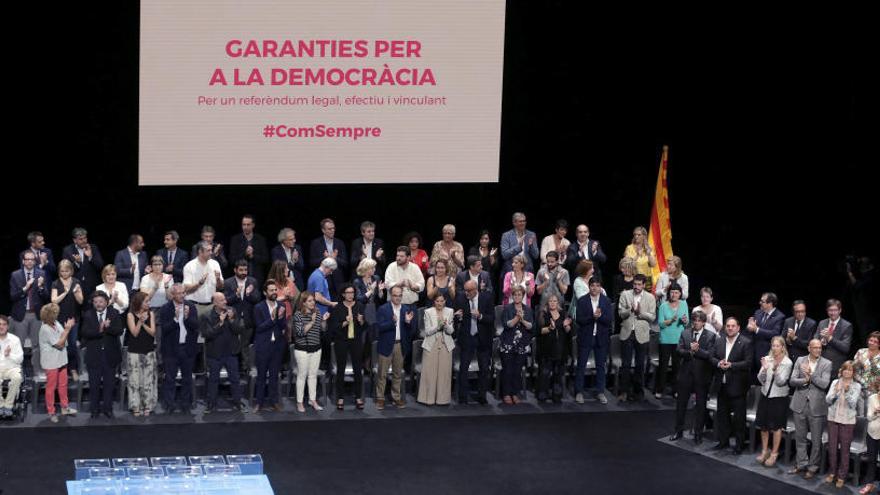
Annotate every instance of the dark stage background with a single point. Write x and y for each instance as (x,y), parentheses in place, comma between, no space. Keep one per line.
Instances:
(766,124)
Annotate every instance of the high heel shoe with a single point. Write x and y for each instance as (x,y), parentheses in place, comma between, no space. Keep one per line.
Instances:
(762,456)
(340,405)
(315,405)
(771,460)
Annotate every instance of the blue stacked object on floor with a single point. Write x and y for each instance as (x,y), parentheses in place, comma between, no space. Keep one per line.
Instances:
(234,474)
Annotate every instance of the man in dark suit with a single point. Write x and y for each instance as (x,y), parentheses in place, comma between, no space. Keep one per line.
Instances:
(585,248)
(291,253)
(180,332)
(396,323)
(45,259)
(28,291)
(476,273)
(242,294)
(367,246)
(209,237)
(695,347)
(270,343)
(250,246)
(799,330)
(765,324)
(221,329)
(132,263)
(475,319)
(86,259)
(328,246)
(836,335)
(173,258)
(100,330)
(594,317)
(732,360)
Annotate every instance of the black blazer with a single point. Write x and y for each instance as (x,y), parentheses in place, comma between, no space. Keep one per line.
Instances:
(221,338)
(181,257)
(220,258)
(244,306)
(296,268)
(89,271)
(697,365)
(171,330)
(739,374)
(573,256)
(798,346)
(256,265)
(485,281)
(357,254)
(316,256)
(771,328)
(335,328)
(96,342)
(485,325)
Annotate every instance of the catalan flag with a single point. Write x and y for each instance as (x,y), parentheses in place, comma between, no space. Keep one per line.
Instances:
(660,233)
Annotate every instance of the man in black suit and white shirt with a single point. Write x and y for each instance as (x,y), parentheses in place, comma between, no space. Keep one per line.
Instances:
(367,246)
(173,258)
(695,347)
(86,258)
(733,362)
(251,247)
(798,330)
(836,335)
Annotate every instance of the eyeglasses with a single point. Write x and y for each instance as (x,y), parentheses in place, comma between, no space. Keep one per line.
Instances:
(763,301)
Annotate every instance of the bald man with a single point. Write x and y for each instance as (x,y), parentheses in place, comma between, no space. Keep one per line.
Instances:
(222,328)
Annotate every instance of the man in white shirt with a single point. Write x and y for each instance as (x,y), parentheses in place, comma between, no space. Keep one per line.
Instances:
(131,263)
(202,278)
(11,356)
(405,275)
(732,359)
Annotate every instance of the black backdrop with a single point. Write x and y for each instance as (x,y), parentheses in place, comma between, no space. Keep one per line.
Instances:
(766,123)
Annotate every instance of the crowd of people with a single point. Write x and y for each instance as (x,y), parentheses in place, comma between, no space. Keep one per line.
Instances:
(148,314)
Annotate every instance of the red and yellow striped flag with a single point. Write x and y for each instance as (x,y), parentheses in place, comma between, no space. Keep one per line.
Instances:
(660,233)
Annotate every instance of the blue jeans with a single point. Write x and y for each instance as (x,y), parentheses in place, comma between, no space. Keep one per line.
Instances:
(231,365)
(599,347)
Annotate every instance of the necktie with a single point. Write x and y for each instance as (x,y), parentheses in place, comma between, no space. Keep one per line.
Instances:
(696,337)
(171,258)
(797,326)
(100,317)
(831,328)
(30,291)
(764,318)
(473,320)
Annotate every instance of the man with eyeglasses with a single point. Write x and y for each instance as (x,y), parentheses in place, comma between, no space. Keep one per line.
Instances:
(28,291)
(765,324)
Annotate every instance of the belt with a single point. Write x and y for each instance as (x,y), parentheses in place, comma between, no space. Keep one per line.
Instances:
(201,303)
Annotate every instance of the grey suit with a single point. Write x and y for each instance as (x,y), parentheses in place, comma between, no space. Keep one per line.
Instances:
(809,408)
(836,350)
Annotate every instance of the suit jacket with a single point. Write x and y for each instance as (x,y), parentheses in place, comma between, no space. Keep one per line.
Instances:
(180,259)
(171,329)
(485,324)
(337,328)
(122,261)
(809,396)
(775,385)
(484,281)
(696,366)
(837,349)
(387,328)
(357,254)
(771,328)
(574,256)
(738,376)
(438,328)
(50,268)
(316,256)
(798,346)
(265,326)
(510,248)
(641,323)
(89,271)
(586,319)
(222,339)
(297,268)
(107,342)
(18,297)
(244,306)
(257,265)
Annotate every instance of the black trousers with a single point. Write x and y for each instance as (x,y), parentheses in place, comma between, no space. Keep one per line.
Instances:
(873,445)
(632,381)
(469,347)
(667,352)
(178,359)
(550,378)
(345,348)
(686,387)
(102,384)
(728,404)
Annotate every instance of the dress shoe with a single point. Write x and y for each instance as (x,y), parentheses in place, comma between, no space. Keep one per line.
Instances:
(698,438)
(380,404)
(277,407)
(602,398)
(257,409)
(400,404)
(795,470)
(579,398)
(676,436)
(721,446)
(809,475)
(109,414)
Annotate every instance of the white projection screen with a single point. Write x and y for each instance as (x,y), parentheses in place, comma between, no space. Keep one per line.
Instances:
(320,91)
